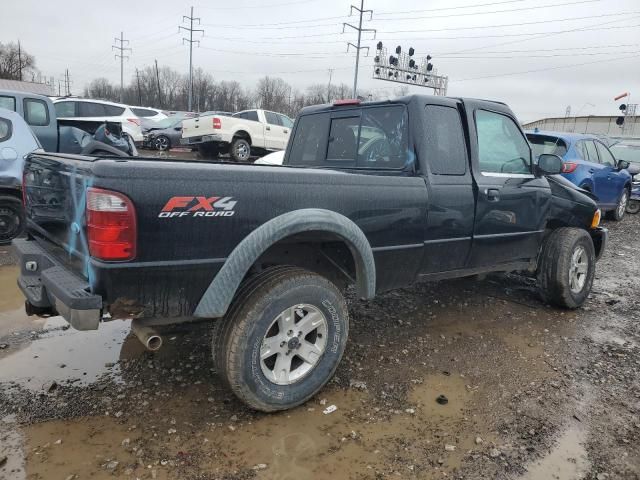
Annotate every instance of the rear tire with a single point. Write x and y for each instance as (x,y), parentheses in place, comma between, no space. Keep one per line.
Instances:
(282,338)
(567,267)
(240,150)
(621,208)
(12,219)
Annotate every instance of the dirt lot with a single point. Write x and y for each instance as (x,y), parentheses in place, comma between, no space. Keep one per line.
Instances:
(533,392)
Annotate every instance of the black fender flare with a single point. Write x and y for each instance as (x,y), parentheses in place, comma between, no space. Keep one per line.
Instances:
(216,299)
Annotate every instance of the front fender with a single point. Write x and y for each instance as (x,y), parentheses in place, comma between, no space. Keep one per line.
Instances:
(218,296)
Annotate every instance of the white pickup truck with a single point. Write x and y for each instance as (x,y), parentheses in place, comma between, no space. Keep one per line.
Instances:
(241,135)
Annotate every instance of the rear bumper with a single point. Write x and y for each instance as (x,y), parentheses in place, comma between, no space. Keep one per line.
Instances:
(202,139)
(51,287)
(600,237)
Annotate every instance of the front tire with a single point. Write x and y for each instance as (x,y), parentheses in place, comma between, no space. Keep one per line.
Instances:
(621,208)
(633,206)
(282,338)
(162,143)
(12,219)
(567,267)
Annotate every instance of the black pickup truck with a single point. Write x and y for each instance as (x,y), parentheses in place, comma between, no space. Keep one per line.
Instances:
(377,195)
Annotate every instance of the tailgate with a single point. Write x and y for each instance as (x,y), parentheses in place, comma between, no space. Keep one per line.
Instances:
(55,186)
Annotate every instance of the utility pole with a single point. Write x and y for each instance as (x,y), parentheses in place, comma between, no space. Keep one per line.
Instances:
(59,88)
(120,46)
(139,94)
(359,29)
(158,84)
(19,61)
(67,83)
(329,86)
(191,41)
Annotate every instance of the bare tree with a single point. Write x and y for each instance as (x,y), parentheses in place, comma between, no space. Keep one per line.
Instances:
(15,63)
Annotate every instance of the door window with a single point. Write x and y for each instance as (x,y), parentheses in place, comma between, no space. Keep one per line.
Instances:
(606,157)
(90,109)
(446,151)
(65,109)
(272,118)
(144,112)
(285,121)
(8,102)
(581,148)
(502,149)
(591,150)
(113,111)
(35,112)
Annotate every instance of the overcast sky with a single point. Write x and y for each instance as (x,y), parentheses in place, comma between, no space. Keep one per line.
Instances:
(539,56)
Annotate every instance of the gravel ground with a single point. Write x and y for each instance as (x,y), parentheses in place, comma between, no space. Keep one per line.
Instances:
(531,391)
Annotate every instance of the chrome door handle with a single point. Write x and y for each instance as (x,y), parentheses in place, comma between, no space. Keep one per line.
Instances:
(591,170)
(267,128)
(286,131)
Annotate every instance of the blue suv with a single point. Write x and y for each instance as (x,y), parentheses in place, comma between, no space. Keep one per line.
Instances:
(588,163)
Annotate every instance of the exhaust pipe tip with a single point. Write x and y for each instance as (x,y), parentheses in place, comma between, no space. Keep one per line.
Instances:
(148,336)
(154,342)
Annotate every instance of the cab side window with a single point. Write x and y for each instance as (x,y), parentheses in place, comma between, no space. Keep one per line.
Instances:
(65,109)
(8,102)
(502,149)
(272,118)
(606,157)
(446,151)
(36,112)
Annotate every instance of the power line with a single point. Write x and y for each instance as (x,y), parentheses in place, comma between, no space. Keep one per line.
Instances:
(452,8)
(361,11)
(120,46)
(483,57)
(536,7)
(190,41)
(546,69)
(240,7)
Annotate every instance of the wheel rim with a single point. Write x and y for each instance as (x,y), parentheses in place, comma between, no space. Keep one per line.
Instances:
(293,345)
(622,206)
(9,223)
(242,150)
(578,270)
(162,143)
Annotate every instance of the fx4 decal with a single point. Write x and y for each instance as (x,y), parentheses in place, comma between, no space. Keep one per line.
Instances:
(198,207)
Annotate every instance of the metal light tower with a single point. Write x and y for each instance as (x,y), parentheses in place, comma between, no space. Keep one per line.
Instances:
(191,41)
(120,46)
(359,29)
(403,68)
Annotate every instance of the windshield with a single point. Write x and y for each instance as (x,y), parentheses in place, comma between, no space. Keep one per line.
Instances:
(547,144)
(630,153)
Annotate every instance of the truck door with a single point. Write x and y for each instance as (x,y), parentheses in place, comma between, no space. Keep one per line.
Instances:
(42,122)
(512,204)
(444,160)
(273,132)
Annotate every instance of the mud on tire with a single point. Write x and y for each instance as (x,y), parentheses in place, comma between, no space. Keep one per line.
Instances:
(241,339)
(566,268)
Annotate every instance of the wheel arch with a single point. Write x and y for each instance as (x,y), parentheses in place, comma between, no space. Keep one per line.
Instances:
(221,291)
(242,134)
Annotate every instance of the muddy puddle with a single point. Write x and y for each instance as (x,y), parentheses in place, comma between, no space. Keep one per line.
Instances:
(60,355)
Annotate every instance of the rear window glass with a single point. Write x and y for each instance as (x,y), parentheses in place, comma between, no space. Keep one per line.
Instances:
(374,137)
(5,129)
(8,102)
(90,109)
(65,109)
(143,112)
(547,144)
(36,112)
(446,151)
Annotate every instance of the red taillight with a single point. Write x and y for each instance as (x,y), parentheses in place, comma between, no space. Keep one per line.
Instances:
(217,123)
(135,121)
(569,167)
(111,225)
(346,101)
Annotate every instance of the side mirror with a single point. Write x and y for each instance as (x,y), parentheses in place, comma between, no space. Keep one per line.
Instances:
(622,164)
(549,164)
